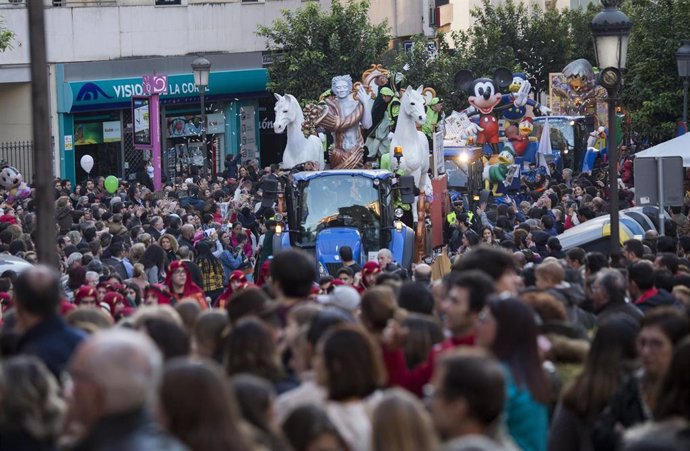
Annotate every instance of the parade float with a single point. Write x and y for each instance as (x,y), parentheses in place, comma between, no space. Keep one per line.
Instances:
(349,203)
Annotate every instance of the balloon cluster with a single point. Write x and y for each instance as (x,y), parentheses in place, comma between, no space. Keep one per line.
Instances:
(111,182)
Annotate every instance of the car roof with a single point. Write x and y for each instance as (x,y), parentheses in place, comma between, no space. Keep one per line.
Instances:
(595,228)
(12,263)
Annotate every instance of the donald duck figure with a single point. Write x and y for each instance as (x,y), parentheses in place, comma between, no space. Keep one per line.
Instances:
(515,114)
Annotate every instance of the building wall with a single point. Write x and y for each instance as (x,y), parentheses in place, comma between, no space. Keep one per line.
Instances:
(114,32)
(15,112)
(461,9)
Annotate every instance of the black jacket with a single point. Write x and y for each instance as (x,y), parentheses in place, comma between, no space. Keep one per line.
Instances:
(133,431)
(52,341)
(625,409)
(117,265)
(662,299)
(612,309)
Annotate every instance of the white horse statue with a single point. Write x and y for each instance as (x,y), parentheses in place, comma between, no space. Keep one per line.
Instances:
(299,149)
(415,147)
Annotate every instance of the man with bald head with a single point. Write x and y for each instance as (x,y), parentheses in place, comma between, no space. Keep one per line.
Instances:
(115,375)
(44,333)
(422,273)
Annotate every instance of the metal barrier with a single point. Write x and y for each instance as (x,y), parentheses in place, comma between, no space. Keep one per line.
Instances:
(20,155)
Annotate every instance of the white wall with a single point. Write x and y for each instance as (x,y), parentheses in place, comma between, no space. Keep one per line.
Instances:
(112,32)
(15,114)
(404,17)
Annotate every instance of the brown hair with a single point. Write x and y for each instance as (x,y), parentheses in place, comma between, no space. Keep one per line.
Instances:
(545,305)
(205,418)
(377,308)
(89,319)
(550,271)
(400,423)
(353,363)
(251,349)
(208,334)
(471,374)
(592,389)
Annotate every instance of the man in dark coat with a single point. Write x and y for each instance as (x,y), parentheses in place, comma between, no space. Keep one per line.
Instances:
(45,334)
(114,375)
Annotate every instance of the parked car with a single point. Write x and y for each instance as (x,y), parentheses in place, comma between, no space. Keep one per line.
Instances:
(595,234)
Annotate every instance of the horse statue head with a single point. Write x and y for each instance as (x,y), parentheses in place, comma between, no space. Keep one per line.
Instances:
(412,104)
(287,111)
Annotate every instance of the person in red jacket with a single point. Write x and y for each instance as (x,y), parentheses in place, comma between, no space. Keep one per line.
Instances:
(466,293)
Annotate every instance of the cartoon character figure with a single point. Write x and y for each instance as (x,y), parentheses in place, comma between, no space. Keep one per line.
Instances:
(596,148)
(518,137)
(495,174)
(12,181)
(515,113)
(578,91)
(484,94)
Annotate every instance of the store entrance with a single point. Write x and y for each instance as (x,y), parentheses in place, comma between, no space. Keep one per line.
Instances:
(106,160)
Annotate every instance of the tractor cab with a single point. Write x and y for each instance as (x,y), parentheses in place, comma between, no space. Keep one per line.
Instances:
(330,209)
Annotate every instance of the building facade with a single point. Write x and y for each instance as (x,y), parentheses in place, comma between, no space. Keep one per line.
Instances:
(98,51)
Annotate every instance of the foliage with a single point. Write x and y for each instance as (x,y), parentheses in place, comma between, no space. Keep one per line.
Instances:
(6,36)
(311,46)
(653,92)
(524,39)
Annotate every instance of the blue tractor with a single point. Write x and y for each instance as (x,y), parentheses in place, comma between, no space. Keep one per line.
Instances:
(329,209)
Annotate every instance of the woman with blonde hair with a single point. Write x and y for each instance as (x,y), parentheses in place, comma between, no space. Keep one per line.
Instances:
(31,410)
(400,423)
(170,245)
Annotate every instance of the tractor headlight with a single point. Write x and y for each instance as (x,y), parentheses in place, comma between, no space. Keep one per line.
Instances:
(399,213)
(279,229)
(398,225)
(464,158)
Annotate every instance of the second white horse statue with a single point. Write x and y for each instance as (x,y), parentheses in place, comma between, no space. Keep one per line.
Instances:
(299,149)
(415,147)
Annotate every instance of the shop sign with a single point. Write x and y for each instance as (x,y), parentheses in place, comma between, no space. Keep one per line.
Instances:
(155,84)
(112,132)
(117,93)
(68,142)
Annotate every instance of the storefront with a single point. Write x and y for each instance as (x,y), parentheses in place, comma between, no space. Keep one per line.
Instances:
(95,118)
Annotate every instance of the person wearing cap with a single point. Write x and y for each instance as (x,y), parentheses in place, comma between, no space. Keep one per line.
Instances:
(432,111)
(86,296)
(383,116)
(343,297)
(392,107)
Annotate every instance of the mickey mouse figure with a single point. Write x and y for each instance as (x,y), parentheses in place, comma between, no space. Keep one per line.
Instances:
(484,95)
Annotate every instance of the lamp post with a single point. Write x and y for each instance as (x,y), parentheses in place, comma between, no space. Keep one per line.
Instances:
(611,31)
(683,60)
(202,68)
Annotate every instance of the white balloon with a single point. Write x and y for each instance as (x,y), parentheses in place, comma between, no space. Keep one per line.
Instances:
(86,163)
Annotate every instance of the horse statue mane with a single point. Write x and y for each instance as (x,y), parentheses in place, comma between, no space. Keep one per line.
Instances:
(299,149)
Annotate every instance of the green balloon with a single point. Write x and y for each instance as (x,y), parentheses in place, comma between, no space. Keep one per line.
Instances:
(111,183)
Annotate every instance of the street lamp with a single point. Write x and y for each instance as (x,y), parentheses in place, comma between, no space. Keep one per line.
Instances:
(611,32)
(683,60)
(202,68)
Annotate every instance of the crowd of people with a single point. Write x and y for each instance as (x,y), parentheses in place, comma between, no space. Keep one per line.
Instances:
(171,324)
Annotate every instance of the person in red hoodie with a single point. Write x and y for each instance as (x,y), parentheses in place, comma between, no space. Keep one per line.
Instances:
(465,295)
(179,282)
(157,294)
(236,282)
(369,272)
